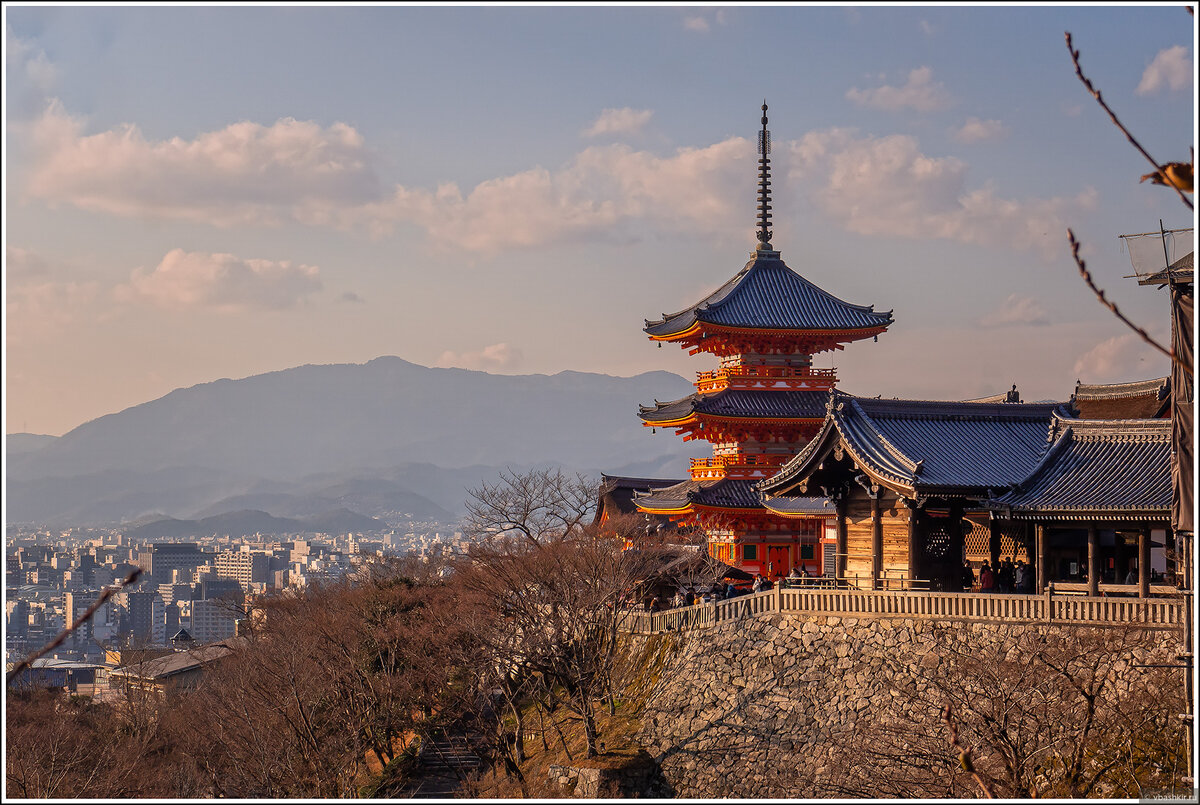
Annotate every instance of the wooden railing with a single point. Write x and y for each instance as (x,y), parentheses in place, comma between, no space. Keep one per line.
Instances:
(1159,613)
(737,465)
(753,377)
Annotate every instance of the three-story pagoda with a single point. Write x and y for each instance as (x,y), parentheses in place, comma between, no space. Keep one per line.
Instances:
(763,403)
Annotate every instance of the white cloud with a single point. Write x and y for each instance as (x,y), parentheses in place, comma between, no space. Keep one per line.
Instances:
(40,301)
(976,130)
(222,282)
(886,186)
(1017,309)
(1171,68)
(605,192)
(920,92)
(700,23)
(619,121)
(25,60)
(261,175)
(495,356)
(244,173)
(926,27)
(1119,359)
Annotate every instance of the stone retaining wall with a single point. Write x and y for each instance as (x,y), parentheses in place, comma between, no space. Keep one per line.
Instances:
(767,706)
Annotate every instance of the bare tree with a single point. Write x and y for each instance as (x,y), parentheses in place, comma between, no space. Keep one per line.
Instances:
(538,506)
(1076,715)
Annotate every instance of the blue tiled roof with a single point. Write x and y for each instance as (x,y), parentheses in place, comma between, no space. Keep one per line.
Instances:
(1098,468)
(799,506)
(757,404)
(727,493)
(928,446)
(768,295)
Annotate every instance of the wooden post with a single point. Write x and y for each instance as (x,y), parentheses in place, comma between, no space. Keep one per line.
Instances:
(1093,565)
(1042,550)
(842,541)
(876,543)
(1144,563)
(994,543)
(914,555)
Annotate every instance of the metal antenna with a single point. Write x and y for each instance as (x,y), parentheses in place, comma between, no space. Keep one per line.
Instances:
(764,184)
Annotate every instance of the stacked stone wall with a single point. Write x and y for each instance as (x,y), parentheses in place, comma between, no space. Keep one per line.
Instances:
(768,706)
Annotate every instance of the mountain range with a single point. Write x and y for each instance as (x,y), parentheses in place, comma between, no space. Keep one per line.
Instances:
(387,439)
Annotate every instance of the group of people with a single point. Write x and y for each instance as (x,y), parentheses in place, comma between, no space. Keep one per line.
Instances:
(1006,577)
(687,596)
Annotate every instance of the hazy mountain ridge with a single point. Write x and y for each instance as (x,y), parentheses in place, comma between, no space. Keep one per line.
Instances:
(248,522)
(384,436)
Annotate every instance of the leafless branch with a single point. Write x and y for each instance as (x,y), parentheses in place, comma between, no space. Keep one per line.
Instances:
(964,756)
(108,593)
(1095,93)
(1087,277)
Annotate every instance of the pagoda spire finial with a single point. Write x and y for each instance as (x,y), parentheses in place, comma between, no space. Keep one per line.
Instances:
(764,185)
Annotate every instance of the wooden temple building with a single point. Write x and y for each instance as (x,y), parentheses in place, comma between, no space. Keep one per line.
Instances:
(762,404)
(921,486)
(907,480)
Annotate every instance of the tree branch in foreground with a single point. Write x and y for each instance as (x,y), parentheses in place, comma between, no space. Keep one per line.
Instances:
(1087,277)
(1095,93)
(108,593)
(964,756)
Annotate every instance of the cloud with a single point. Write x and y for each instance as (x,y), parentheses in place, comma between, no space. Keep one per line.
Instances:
(222,282)
(887,186)
(605,192)
(244,173)
(700,23)
(976,130)
(1171,68)
(920,92)
(619,121)
(495,356)
(1119,359)
(251,174)
(352,298)
(926,27)
(1016,309)
(40,301)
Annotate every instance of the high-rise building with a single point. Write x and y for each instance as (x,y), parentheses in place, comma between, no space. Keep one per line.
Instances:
(247,568)
(160,559)
(762,404)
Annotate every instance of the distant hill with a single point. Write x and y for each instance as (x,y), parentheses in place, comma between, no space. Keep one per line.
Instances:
(387,438)
(18,443)
(249,522)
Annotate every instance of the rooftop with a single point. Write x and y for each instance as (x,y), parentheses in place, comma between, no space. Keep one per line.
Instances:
(742,404)
(1098,469)
(927,446)
(767,295)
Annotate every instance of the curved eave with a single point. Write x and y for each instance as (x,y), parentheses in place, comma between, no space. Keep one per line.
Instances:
(800,467)
(1002,512)
(700,326)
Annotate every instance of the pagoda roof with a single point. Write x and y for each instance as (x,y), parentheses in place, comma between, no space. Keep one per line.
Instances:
(767,295)
(741,404)
(927,447)
(725,493)
(1097,469)
(616,492)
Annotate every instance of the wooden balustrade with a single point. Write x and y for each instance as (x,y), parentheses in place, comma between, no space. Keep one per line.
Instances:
(1156,613)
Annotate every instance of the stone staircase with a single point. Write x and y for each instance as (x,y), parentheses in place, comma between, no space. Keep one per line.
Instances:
(443,765)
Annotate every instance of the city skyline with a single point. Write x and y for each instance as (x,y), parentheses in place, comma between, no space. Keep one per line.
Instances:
(207,192)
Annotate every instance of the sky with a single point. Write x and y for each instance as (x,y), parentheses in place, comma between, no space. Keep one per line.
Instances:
(201,192)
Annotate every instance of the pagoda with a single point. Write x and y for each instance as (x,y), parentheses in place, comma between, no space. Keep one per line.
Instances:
(764,402)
